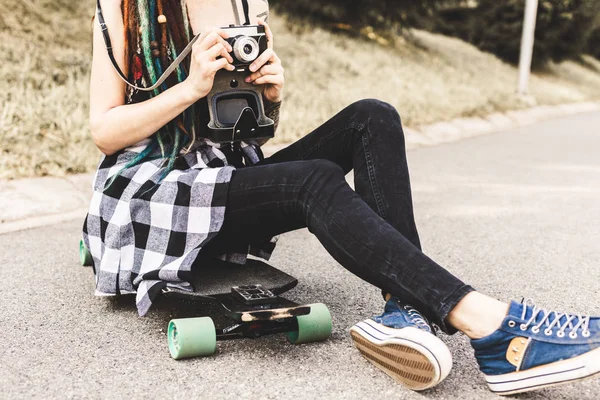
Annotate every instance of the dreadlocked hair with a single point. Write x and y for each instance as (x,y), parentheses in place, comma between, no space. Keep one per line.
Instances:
(141,30)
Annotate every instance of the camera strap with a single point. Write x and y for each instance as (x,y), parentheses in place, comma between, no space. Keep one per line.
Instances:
(109,48)
(246,11)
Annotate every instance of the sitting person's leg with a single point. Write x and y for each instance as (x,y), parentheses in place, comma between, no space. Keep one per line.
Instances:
(268,200)
(366,137)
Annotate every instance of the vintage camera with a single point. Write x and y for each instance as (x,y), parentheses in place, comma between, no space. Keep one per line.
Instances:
(248,43)
(236,108)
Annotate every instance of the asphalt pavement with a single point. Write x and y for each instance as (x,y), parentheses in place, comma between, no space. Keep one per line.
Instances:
(516,214)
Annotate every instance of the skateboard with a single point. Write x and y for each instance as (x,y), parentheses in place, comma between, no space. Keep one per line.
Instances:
(249,298)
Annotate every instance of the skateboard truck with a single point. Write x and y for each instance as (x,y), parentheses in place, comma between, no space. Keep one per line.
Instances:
(253,294)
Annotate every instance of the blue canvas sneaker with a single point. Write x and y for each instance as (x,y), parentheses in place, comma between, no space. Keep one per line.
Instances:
(402,343)
(535,348)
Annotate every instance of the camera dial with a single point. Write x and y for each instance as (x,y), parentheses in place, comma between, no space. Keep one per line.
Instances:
(246,49)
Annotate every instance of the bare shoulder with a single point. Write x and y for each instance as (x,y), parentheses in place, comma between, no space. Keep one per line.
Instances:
(259,9)
(106,88)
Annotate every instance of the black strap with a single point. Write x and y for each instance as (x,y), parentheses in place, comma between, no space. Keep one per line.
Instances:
(107,41)
(246,11)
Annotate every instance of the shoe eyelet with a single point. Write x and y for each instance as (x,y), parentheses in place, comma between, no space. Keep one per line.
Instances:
(535,329)
(512,324)
(548,332)
(560,334)
(586,334)
(523,327)
(573,335)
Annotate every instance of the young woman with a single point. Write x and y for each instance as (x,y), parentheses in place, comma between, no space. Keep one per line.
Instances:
(166,198)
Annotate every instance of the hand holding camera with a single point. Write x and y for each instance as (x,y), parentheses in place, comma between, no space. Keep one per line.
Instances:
(267,70)
(210,54)
(230,48)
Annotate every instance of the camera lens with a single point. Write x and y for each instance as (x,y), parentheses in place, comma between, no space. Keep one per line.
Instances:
(246,49)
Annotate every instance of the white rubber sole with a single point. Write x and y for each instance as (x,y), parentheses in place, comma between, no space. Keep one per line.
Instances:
(415,358)
(575,369)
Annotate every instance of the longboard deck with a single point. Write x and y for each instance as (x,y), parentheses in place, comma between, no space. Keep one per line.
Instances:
(217,277)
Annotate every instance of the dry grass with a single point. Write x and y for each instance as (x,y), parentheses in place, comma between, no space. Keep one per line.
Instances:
(44,87)
(436,78)
(46,50)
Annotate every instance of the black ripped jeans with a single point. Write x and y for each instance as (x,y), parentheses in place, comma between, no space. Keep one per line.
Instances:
(370,231)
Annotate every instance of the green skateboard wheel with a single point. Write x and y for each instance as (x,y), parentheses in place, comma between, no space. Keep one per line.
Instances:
(84,255)
(192,337)
(313,327)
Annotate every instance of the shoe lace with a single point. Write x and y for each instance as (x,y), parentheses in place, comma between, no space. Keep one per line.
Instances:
(551,319)
(417,317)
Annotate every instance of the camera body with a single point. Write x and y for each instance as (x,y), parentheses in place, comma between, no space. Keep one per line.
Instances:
(248,43)
(236,108)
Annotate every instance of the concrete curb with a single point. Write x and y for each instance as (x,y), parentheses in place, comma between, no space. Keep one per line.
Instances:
(462,128)
(30,203)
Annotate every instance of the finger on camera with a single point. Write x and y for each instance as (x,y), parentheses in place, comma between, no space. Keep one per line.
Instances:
(202,36)
(269,79)
(264,58)
(268,32)
(218,50)
(220,64)
(211,39)
(214,38)
(269,69)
